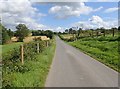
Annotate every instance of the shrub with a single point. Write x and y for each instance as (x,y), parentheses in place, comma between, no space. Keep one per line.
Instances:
(11,60)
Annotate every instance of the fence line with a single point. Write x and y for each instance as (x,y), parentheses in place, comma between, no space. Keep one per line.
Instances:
(37,50)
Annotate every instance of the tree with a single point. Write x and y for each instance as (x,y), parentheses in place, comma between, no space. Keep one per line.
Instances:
(35,33)
(49,34)
(22,31)
(66,31)
(5,36)
(79,31)
(10,33)
(74,31)
(70,31)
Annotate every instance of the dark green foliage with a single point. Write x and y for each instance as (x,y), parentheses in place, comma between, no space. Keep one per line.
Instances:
(70,31)
(47,33)
(5,36)
(37,32)
(12,60)
(92,32)
(79,31)
(10,33)
(66,31)
(22,31)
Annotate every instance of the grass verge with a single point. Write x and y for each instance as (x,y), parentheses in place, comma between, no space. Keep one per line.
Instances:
(38,70)
(103,51)
(37,73)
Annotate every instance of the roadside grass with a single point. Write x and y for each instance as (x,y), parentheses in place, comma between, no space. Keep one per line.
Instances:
(103,49)
(105,52)
(33,73)
(38,70)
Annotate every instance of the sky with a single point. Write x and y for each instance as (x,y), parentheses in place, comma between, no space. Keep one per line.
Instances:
(58,16)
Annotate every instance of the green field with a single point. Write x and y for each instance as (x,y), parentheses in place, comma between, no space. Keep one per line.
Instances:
(103,49)
(8,47)
(36,70)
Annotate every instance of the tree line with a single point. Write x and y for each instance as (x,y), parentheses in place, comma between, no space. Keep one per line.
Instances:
(91,32)
(21,32)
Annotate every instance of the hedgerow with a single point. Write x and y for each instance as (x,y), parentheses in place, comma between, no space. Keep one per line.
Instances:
(12,60)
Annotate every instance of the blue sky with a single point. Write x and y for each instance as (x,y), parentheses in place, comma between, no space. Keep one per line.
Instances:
(59,16)
(53,22)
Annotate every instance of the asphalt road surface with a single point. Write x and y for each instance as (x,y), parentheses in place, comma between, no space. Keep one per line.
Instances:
(72,68)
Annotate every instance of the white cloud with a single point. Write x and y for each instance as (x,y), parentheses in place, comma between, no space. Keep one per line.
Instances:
(66,10)
(96,22)
(98,8)
(55,9)
(14,12)
(61,29)
(109,10)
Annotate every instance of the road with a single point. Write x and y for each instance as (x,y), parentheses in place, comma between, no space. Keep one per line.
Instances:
(72,68)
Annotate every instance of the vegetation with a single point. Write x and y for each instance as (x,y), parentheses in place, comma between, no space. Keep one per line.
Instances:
(80,33)
(36,64)
(11,46)
(47,33)
(14,73)
(22,32)
(101,44)
(38,70)
(5,36)
(104,49)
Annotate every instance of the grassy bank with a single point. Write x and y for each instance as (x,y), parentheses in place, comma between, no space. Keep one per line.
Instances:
(103,49)
(38,70)
(34,72)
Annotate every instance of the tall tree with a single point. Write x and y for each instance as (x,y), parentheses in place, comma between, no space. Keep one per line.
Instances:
(70,31)
(66,31)
(5,36)
(79,31)
(48,33)
(22,31)
(10,33)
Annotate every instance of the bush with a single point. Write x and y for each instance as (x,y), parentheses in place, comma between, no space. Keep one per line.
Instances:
(12,60)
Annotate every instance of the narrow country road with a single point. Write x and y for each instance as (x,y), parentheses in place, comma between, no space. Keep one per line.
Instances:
(72,68)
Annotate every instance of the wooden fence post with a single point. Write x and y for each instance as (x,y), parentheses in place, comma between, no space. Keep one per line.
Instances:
(22,53)
(38,48)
